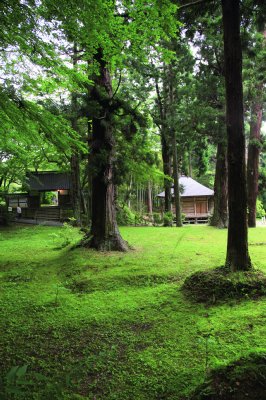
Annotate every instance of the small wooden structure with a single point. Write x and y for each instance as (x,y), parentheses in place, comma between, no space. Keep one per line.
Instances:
(196,200)
(37,183)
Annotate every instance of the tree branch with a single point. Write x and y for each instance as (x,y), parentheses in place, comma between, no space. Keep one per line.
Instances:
(118,85)
(193,3)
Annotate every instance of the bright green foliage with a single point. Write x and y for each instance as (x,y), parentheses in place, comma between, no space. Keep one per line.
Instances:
(125,216)
(30,138)
(116,28)
(117,326)
(168,218)
(42,69)
(208,111)
(17,22)
(260,209)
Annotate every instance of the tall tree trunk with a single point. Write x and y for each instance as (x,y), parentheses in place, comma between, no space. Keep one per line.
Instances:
(75,180)
(253,156)
(237,242)
(166,153)
(190,165)
(88,174)
(149,198)
(220,211)
(171,93)
(129,192)
(167,172)
(104,233)
(178,214)
(75,161)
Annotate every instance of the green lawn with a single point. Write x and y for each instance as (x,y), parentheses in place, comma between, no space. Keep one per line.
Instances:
(116,326)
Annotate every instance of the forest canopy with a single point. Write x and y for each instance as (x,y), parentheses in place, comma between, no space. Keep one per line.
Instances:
(132,90)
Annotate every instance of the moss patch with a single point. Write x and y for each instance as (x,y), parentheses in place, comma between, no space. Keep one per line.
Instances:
(221,284)
(243,379)
(116,325)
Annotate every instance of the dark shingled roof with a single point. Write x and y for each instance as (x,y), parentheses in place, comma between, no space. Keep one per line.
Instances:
(48,181)
(191,188)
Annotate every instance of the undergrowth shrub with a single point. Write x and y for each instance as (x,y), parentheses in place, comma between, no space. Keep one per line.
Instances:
(168,218)
(259,209)
(125,216)
(63,237)
(183,217)
(5,216)
(157,219)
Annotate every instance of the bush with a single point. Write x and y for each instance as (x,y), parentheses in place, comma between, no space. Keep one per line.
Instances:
(138,219)
(5,216)
(125,216)
(168,218)
(157,218)
(259,209)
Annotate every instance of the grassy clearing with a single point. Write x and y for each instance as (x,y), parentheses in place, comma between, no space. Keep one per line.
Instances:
(116,326)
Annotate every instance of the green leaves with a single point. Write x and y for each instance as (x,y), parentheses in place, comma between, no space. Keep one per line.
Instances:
(16,381)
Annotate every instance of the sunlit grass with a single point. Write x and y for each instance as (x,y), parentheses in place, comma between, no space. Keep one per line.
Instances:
(116,323)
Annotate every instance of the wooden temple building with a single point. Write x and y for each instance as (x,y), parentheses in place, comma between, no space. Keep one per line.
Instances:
(38,183)
(196,200)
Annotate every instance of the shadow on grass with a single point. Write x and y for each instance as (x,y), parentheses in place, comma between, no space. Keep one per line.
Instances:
(82,284)
(244,379)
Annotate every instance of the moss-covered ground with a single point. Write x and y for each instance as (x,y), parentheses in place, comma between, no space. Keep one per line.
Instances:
(111,326)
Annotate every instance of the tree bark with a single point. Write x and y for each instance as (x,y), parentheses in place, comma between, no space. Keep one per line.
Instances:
(76,191)
(190,165)
(149,198)
(166,153)
(167,172)
(129,192)
(237,242)
(253,156)
(220,211)
(104,234)
(178,214)
(74,161)
(172,130)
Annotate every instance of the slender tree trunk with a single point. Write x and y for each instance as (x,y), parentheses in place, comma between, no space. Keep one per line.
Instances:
(220,211)
(75,161)
(129,192)
(190,165)
(178,214)
(149,198)
(166,153)
(237,243)
(253,156)
(76,192)
(167,172)
(104,233)
(171,90)
(88,173)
